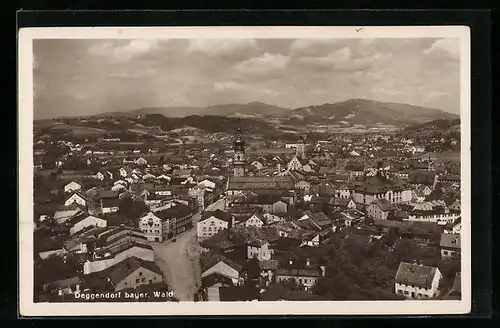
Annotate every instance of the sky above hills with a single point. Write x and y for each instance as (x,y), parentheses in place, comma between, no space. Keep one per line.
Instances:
(84,77)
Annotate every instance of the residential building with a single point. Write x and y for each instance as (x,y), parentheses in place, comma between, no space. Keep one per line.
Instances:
(258,249)
(213,222)
(379,209)
(132,272)
(155,228)
(72,186)
(108,256)
(450,246)
(216,264)
(380,186)
(76,198)
(304,273)
(256,220)
(417,281)
(82,221)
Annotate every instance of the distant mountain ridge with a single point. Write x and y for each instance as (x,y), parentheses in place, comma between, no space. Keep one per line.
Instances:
(250,109)
(363,111)
(349,112)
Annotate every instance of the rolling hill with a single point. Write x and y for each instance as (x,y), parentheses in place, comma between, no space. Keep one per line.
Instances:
(435,125)
(208,123)
(250,109)
(366,112)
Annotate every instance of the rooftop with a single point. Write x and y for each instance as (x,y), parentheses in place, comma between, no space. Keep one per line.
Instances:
(449,240)
(415,275)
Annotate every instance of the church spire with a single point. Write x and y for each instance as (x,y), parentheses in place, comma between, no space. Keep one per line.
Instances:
(239,155)
(301,147)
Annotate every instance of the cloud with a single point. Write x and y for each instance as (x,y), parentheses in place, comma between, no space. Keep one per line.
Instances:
(444,48)
(343,60)
(267,64)
(123,52)
(227,86)
(315,47)
(132,75)
(233,48)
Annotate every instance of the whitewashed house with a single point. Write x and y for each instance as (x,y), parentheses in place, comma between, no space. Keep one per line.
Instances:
(417,281)
(72,186)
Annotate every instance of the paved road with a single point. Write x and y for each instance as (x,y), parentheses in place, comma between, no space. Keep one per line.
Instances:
(219,204)
(179,263)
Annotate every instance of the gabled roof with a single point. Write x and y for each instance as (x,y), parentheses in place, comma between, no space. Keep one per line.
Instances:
(210,259)
(422,177)
(379,184)
(79,193)
(103,194)
(219,214)
(415,275)
(383,204)
(449,240)
(110,202)
(80,217)
(123,269)
(179,210)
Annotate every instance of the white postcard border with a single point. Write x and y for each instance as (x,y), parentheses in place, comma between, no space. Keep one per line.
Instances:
(29,308)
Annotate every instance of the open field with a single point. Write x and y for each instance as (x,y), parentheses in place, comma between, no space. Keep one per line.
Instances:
(79,130)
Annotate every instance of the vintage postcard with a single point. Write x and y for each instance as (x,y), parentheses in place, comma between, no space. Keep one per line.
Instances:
(244,171)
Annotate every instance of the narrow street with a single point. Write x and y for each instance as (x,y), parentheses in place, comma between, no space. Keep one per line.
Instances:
(218,205)
(179,263)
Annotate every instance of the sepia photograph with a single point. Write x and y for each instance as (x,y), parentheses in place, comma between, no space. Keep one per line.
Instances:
(306,170)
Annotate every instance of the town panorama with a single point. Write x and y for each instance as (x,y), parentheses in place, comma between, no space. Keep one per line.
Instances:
(349,200)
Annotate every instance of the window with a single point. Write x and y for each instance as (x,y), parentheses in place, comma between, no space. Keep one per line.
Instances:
(406,292)
(137,280)
(140,273)
(142,280)
(150,281)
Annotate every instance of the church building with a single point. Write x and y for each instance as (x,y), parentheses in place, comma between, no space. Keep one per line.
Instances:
(299,160)
(239,183)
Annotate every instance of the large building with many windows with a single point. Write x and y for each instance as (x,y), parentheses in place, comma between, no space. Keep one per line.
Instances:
(380,187)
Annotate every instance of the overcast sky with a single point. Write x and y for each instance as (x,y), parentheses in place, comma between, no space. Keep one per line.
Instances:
(81,77)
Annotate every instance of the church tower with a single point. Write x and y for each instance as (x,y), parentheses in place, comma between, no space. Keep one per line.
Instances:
(301,148)
(239,156)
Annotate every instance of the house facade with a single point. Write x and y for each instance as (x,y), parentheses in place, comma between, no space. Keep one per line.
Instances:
(259,250)
(75,198)
(84,222)
(379,209)
(416,281)
(305,274)
(154,228)
(450,246)
(72,186)
(213,222)
(255,221)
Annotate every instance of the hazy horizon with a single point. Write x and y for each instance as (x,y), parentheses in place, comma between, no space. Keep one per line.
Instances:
(80,77)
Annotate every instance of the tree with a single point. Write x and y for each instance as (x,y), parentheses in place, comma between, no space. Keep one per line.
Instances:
(131,208)
(290,283)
